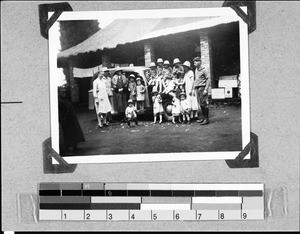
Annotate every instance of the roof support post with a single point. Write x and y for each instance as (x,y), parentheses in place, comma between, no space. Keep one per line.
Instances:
(105,60)
(74,89)
(206,54)
(149,53)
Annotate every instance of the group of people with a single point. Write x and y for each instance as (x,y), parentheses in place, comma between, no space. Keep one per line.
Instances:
(188,89)
(111,94)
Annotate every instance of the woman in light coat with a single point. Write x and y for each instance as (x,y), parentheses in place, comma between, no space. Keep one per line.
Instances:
(102,103)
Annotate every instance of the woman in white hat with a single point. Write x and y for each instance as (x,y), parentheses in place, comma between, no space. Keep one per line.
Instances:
(189,89)
(167,71)
(178,70)
(159,63)
(102,104)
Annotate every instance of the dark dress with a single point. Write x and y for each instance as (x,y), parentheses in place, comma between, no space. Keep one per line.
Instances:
(70,130)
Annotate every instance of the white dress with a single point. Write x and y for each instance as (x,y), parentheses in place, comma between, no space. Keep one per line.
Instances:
(102,103)
(189,80)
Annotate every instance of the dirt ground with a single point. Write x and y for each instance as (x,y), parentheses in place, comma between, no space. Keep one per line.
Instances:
(222,134)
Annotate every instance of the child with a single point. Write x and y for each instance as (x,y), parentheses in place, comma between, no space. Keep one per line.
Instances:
(157,105)
(130,113)
(185,108)
(132,89)
(140,94)
(176,110)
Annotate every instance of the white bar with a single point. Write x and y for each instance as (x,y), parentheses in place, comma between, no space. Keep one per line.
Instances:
(165,206)
(216,200)
(252,214)
(207,215)
(230,215)
(95,215)
(49,214)
(140,215)
(184,215)
(116,199)
(137,186)
(160,186)
(113,215)
(217,187)
(162,215)
(72,214)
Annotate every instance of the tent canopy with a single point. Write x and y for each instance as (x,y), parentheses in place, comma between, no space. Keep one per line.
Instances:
(123,31)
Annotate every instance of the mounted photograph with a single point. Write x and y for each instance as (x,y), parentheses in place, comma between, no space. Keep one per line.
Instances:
(149,85)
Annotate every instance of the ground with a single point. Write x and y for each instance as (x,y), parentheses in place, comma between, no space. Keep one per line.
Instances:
(222,134)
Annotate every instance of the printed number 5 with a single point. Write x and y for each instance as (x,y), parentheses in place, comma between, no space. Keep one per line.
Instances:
(154,217)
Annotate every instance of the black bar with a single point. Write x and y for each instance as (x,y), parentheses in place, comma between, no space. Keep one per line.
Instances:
(250,193)
(121,193)
(65,206)
(161,193)
(229,193)
(71,192)
(183,193)
(205,193)
(93,193)
(49,192)
(115,206)
(139,193)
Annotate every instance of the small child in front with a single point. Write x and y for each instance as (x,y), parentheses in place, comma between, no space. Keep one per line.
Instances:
(140,94)
(185,108)
(175,110)
(130,113)
(157,105)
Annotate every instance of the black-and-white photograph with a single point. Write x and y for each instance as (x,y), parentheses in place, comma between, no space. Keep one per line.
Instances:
(149,84)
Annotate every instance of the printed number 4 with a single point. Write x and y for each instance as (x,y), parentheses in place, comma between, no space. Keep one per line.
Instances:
(132,216)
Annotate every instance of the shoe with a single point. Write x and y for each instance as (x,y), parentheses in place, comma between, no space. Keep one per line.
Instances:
(160,122)
(100,126)
(206,121)
(173,122)
(200,120)
(105,124)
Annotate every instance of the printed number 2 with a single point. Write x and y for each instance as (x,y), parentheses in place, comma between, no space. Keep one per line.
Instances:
(87,216)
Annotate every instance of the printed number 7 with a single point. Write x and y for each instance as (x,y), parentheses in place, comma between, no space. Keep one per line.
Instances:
(198,215)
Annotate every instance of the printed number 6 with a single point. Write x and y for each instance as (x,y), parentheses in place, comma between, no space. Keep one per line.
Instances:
(177,216)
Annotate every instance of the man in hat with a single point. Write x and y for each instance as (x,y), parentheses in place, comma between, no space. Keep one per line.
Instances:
(177,68)
(201,85)
(159,66)
(120,83)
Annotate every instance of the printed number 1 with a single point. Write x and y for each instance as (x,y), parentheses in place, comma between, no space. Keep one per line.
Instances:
(65,216)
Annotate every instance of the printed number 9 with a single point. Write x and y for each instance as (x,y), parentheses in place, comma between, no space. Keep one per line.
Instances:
(244,215)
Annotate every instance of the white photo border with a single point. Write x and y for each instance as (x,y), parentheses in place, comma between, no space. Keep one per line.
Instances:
(225,12)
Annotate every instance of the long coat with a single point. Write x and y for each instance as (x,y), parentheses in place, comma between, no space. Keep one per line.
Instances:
(102,103)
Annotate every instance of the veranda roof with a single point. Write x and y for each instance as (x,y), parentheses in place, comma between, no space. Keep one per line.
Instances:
(123,31)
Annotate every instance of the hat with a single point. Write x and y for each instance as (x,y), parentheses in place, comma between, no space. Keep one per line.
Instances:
(176,61)
(159,60)
(104,69)
(166,62)
(187,64)
(130,101)
(132,76)
(118,69)
(152,64)
(197,58)
(139,78)
(154,90)
(183,93)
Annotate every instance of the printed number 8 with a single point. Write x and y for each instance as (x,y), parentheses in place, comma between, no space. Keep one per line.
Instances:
(244,215)
(222,215)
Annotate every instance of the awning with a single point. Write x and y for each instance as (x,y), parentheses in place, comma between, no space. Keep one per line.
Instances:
(123,31)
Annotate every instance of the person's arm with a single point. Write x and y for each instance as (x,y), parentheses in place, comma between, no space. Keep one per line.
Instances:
(208,81)
(95,89)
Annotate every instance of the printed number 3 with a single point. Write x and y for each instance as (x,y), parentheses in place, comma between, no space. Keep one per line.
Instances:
(110,217)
